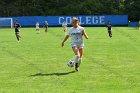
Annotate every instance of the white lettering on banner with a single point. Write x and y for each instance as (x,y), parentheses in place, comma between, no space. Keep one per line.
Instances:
(68,20)
(80,20)
(95,20)
(102,20)
(61,20)
(85,20)
(88,20)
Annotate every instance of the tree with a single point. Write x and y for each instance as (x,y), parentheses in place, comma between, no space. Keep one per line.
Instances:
(70,7)
(132,8)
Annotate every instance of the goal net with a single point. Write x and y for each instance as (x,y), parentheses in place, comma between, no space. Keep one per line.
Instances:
(6,22)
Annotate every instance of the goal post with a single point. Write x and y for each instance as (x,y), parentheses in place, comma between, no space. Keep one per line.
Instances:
(6,22)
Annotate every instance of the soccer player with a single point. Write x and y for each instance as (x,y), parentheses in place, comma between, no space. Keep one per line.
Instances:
(17,26)
(37,27)
(129,23)
(76,32)
(109,28)
(46,26)
(64,25)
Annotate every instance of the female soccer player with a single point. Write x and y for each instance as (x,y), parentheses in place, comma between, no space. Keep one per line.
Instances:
(64,25)
(17,26)
(37,27)
(76,32)
(46,26)
(109,27)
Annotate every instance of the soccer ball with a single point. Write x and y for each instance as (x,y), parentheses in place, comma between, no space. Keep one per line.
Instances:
(71,63)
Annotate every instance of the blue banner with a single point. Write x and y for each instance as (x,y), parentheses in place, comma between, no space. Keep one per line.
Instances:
(134,24)
(92,20)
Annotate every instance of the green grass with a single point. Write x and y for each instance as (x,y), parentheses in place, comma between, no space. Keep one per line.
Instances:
(37,64)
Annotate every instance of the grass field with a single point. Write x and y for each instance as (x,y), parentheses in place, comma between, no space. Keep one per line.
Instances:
(37,64)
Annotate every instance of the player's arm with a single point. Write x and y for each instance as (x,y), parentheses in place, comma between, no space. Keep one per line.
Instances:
(65,39)
(85,34)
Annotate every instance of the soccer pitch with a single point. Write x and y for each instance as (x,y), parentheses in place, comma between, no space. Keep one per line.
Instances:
(38,63)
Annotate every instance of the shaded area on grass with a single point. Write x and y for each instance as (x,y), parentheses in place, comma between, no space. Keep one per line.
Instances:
(51,74)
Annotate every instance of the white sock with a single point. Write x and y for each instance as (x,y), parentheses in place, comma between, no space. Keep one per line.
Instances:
(80,61)
(76,59)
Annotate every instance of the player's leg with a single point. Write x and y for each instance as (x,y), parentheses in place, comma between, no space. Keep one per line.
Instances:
(46,29)
(77,56)
(65,32)
(109,32)
(17,36)
(37,30)
(64,29)
(81,54)
(18,33)
(76,50)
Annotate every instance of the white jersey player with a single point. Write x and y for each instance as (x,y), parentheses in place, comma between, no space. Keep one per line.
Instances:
(76,33)
(64,25)
(37,27)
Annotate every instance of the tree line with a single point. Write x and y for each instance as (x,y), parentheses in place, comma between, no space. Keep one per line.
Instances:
(70,7)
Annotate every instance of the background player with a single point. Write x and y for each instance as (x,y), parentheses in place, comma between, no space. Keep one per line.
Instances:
(46,26)
(64,25)
(109,28)
(37,27)
(17,31)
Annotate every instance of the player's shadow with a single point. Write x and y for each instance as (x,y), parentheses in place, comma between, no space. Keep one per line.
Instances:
(53,74)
